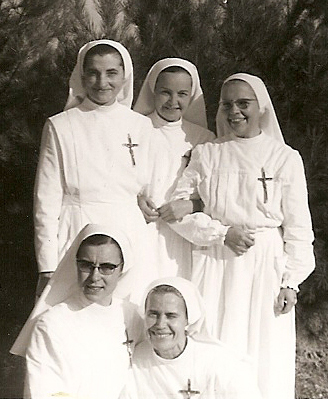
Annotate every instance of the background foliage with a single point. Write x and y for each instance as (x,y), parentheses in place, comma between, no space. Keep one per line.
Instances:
(283,41)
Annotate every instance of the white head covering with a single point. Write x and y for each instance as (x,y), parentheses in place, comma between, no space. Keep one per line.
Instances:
(268,119)
(145,104)
(76,89)
(194,302)
(64,281)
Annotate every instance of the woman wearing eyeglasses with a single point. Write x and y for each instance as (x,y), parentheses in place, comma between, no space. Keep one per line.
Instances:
(255,232)
(78,341)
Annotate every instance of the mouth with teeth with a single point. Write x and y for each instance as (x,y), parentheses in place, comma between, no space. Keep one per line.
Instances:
(92,289)
(160,335)
(237,120)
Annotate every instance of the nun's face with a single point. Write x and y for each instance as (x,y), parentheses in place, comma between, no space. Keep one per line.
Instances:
(166,319)
(172,95)
(99,268)
(103,78)
(240,109)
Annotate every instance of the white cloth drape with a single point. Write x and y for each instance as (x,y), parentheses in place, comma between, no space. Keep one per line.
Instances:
(76,89)
(175,140)
(196,112)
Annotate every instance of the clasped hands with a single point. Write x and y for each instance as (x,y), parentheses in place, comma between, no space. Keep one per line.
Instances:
(170,212)
(239,240)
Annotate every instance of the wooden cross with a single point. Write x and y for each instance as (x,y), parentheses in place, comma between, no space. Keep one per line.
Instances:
(130,146)
(128,343)
(189,391)
(264,179)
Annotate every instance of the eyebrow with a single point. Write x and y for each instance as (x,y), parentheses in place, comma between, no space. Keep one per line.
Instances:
(240,99)
(95,69)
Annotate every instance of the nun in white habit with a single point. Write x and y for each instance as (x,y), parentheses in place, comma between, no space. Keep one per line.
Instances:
(172,97)
(94,158)
(179,359)
(255,232)
(76,341)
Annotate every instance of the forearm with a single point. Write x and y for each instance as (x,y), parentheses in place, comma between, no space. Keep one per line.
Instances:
(200,229)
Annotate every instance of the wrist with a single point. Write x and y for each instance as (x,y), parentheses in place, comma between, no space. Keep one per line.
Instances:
(289,288)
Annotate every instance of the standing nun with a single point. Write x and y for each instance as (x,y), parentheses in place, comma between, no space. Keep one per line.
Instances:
(255,232)
(94,159)
(172,97)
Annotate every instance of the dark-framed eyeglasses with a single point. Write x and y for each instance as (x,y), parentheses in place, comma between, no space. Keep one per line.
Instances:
(105,269)
(242,103)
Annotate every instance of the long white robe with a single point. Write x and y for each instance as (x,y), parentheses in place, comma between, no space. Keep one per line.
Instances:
(213,370)
(77,349)
(240,292)
(175,141)
(86,175)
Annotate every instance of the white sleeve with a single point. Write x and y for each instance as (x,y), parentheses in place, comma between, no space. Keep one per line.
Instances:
(48,194)
(198,228)
(297,226)
(47,371)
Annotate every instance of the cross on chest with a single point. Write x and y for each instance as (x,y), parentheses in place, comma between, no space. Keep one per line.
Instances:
(189,392)
(130,146)
(264,179)
(128,343)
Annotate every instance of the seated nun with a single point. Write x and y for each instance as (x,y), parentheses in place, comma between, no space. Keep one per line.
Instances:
(81,347)
(178,359)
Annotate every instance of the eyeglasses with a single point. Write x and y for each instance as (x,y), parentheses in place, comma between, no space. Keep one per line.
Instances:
(242,103)
(104,268)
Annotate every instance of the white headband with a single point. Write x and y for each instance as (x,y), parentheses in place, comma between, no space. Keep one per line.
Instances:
(268,119)
(76,90)
(64,281)
(145,104)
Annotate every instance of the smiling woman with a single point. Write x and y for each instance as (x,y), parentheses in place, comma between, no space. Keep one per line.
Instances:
(240,106)
(103,74)
(166,320)
(179,358)
(94,161)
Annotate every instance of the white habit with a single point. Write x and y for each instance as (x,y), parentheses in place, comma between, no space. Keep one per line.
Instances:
(213,370)
(77,350)
(174,142)
(86,175)
(240,291)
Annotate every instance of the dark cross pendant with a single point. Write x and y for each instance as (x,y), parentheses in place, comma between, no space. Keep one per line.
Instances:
(130,146)
(128,343)
(189,392)
(264,179)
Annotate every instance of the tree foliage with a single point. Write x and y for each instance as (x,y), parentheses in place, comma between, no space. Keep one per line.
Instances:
(284,42)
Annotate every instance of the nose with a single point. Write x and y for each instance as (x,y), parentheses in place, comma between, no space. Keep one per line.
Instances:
(95,275)
(102,81)
(234,108)
(173,99)
(160,321)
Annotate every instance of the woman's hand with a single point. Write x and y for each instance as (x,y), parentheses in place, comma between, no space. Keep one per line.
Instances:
(239,240)
(286,299)
(176,210)
(148,208)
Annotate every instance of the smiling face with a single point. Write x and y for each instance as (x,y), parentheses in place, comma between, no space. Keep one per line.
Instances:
(97,287)
(103,77)
(172,94)
(165,321)
(240,108)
